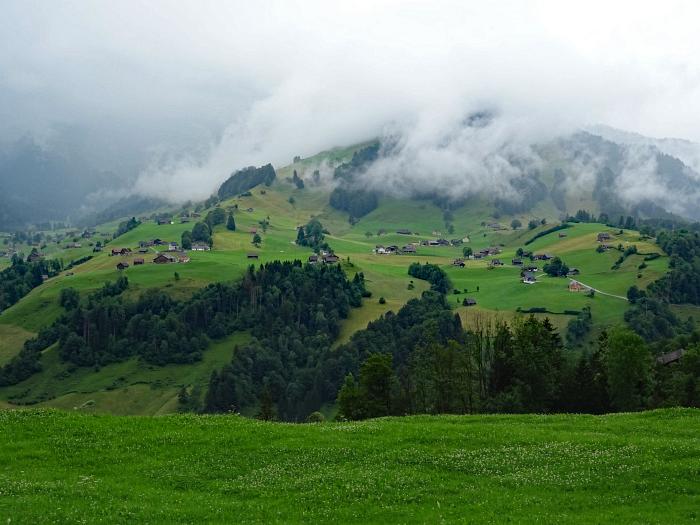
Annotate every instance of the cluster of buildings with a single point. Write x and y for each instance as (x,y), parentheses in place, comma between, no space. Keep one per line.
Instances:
(393,249)
(324,257)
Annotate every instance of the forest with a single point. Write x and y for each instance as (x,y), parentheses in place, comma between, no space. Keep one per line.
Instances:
(279,301)
(22,276)
(245,179)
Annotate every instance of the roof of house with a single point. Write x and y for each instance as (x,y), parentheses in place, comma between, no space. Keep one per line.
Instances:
(670,357)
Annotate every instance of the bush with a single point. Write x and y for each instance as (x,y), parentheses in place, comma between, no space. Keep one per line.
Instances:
(315,417)
(382,300)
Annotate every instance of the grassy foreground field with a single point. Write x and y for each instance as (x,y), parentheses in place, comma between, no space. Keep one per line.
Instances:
(627,468)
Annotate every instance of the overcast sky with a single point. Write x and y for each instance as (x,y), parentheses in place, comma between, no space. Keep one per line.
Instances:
(208,87)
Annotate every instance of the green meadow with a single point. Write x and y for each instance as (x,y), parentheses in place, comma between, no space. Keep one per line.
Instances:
(68,467)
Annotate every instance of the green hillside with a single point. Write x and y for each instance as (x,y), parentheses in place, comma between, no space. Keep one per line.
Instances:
(497,291)
(622,468)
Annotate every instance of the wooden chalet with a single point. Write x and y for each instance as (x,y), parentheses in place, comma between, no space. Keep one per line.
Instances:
(670,357)
(253,256)
(122,265)
(138,261)
(164,258)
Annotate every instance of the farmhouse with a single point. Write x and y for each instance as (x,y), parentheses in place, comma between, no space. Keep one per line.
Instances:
(138,261)
(35,256)
(330,258)
(573,271)
(496,262)
(562,235)
(161,222)
(403,231)
(409,248)
(183,259)
(313,259)
(121,251)
(458,262)
(122,265)
(670,357)
(73,245)
(200,248)
(173,247)
(143,250)
(575,286)
(542,256)
(603,236)
(469,301)
(253,256)
(529,278)
(531,268)
(164,258)
(516,262)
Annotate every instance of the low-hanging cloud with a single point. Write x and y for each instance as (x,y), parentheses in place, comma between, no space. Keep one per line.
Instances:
(280,79)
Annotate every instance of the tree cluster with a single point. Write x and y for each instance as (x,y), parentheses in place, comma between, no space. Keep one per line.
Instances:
(246,179)
(436,276)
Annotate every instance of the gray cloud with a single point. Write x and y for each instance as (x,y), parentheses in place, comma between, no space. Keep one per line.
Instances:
(245,83)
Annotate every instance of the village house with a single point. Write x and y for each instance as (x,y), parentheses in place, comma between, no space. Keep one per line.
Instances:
(161,222)
(403,231)
(496,262)
(469,301)
(575,286)
(542,257)
(379,249)
(73,245)
(121,251)
(670,357)
(143,250)
(164,258)
(392,249)
(562,235)
(138,261)
(529,278)
(603,236)
(253,256)
(313,259)
(44,277)
(173,247)
(122,265)
(183,259)
(573,271)
(409,248)
(459,262)
(200,247)
(516,262)
(530,268)
(331,258)
(35,256)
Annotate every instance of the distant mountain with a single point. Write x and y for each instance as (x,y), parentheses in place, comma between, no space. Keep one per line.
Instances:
(41,183)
